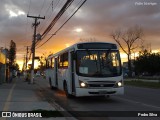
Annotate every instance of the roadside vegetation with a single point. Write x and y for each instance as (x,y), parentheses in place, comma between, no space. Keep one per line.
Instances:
(140,83)
(148,78)
(148,64)
(147,70)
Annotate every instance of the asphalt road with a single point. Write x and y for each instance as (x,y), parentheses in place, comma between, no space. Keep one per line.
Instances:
(135,101)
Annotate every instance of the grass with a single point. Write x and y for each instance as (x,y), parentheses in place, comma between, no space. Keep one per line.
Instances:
(143,84)
(145,78)
(47,113)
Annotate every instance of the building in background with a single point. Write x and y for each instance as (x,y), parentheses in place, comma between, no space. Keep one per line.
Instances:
(4,66)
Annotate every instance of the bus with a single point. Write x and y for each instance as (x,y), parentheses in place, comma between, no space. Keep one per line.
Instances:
(86,69)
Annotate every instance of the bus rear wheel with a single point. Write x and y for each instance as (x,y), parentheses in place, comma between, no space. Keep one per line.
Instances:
(50,84)
(66,91)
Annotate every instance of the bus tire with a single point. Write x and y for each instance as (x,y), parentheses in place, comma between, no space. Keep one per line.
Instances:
(50,83)
(66,91)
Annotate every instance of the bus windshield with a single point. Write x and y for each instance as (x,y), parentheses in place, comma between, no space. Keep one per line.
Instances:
(98,63)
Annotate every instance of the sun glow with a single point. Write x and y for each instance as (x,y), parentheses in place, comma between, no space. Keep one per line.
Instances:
(36,64)
(78,30)
(67,45)
(20,63)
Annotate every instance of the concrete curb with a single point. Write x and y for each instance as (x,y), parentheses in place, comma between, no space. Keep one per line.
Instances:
(59,108)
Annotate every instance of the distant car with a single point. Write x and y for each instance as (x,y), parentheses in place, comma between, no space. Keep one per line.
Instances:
(125,75)
(14,73)
(42,74)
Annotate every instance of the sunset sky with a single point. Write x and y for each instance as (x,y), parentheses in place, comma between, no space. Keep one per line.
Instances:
(96,19)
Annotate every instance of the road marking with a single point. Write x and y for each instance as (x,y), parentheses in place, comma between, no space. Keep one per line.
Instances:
(128,100)
(157,107)
(132,101)
(7,103)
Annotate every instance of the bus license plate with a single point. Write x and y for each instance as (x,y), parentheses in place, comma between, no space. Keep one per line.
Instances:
(103,92)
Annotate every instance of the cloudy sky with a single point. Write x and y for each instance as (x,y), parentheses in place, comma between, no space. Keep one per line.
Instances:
(96,19)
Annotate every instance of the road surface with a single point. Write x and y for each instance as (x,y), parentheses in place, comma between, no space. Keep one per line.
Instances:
(136,101)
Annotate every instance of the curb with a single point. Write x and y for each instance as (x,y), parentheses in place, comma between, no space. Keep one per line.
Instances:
(64,112)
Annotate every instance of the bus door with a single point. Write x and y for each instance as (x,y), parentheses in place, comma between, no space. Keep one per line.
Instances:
(56,72)
(72,71)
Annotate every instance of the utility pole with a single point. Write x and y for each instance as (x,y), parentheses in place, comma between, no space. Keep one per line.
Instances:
(26,56)
(23,63)
(35,24)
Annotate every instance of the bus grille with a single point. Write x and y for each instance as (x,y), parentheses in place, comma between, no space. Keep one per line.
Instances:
(101,84)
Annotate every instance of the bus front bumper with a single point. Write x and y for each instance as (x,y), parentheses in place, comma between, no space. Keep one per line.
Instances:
(99,92)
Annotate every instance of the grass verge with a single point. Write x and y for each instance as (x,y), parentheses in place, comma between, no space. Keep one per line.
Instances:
(142,84)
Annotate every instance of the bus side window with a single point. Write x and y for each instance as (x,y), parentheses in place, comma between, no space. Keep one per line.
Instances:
(49,63)
(65,60)
(60,61)
(52,64)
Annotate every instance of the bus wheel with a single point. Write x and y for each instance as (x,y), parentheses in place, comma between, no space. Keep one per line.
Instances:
(50,83)
(66,91)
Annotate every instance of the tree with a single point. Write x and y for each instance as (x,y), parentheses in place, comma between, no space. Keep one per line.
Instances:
(148,62)
(42,65)
(127,40)
(15,66)
(12,54)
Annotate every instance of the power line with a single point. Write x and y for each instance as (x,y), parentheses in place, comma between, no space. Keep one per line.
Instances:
(70,17)
(52,14)
(56,4)
(29,6)
(74,9)
(66,5)
(62,10)
(46,41)
(41,27)
(26,34)
(42,6)
(62,25)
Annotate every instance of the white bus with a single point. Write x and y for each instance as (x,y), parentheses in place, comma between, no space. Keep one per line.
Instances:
(86,69)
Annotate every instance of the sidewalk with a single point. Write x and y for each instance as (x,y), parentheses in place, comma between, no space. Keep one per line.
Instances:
(20,96)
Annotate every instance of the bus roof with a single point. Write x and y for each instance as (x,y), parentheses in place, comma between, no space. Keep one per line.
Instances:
(87,45)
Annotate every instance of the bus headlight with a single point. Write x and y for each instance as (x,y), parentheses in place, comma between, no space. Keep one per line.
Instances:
(82,84)
(119,84)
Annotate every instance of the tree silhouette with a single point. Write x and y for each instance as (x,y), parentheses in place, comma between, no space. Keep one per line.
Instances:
(127,40)
(148,62)
(12,54)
